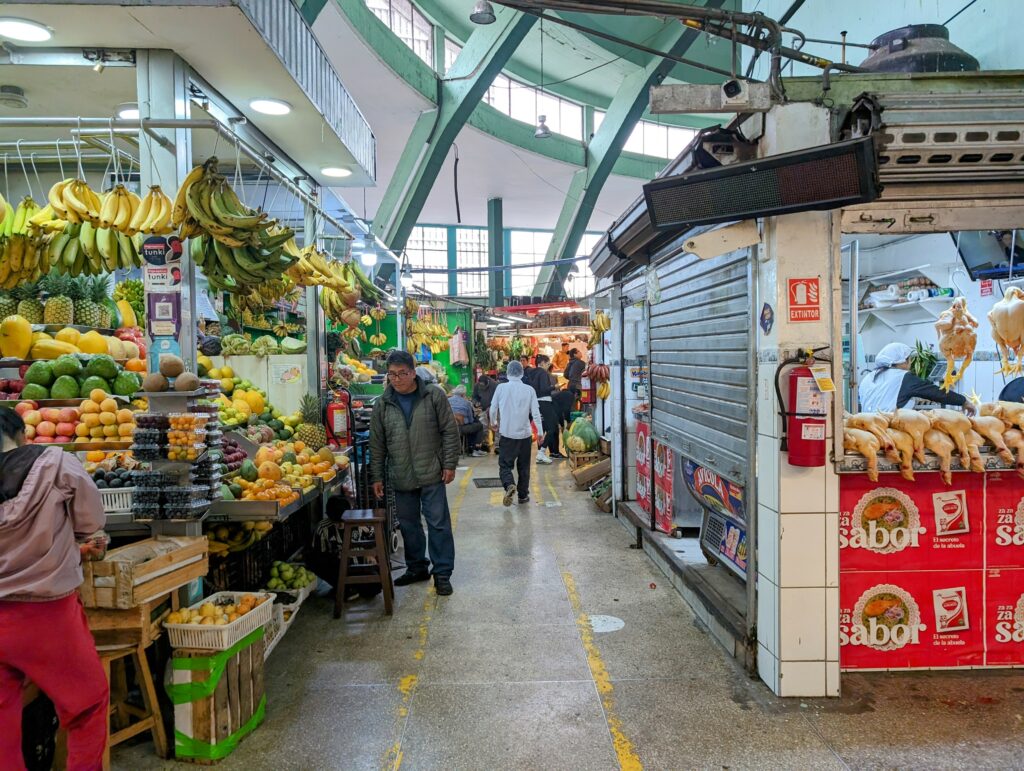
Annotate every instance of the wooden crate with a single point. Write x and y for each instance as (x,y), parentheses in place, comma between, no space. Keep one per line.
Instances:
(587,475)
(133,626)
(580,459)
(605,446)
(135,574)
(209,721)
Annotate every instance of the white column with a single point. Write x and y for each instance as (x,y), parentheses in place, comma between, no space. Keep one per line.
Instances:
(797,517)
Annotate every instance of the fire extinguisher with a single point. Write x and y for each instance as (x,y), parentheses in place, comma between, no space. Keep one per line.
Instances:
(338,422)
(803,432)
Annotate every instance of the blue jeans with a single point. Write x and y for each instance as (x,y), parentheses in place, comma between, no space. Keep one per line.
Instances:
(431,503)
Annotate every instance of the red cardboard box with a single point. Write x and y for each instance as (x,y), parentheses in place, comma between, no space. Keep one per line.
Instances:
(896,525)
(899,620)
(1004,617)
(1004,521)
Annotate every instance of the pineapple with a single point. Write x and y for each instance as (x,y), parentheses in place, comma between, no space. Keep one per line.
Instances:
(60,308)
(311,432)
(30,307)
(8,305)
(86,312)
(99,294)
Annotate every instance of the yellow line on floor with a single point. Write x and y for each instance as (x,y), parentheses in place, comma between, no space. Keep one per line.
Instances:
(551,489)
(407,684)
(628,759)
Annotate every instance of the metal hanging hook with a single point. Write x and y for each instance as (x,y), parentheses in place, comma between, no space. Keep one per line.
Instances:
(32,160)
(24,170)
(60,161)
(78,149)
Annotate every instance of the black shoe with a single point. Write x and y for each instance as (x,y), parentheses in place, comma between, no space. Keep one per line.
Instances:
(510,493)
(411,578)
(443,585)
(557,455)
(525,500)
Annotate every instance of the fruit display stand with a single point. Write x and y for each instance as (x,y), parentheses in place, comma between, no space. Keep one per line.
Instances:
(143,571)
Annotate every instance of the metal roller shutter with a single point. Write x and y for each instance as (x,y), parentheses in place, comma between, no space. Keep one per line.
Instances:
(700,338)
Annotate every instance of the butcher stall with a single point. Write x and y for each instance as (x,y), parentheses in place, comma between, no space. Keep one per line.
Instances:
(931,494)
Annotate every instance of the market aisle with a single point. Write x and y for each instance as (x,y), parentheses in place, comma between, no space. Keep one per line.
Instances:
(507,673)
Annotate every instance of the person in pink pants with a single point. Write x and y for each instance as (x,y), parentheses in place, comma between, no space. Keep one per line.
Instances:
(48,504)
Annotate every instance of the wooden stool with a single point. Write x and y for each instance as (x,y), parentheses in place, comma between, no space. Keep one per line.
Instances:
(147,719)
(351,521)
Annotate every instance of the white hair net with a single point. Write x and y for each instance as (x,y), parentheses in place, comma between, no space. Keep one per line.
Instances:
(426,374)
(515,369)
(892,354)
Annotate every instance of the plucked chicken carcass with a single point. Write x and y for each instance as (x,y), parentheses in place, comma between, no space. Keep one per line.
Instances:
(1007,319)
(874,423)
(904,451)
(992,430)
(1014,439)
(865,443)
(956,425)
(1011,413)
(957,339)
(914,423)
(975,442)
(942,445)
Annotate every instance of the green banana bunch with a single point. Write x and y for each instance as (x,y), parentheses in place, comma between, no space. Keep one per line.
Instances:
(85,249)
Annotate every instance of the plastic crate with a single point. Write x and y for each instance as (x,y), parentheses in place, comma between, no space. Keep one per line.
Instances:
(220,638)
(117,501)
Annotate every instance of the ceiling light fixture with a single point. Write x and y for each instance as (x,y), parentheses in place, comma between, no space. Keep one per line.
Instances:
(127,111)
(368,258)
(482,13)
(13,96)
(406,278)
(336,171)
(270,106)
(24,30)
(542,132)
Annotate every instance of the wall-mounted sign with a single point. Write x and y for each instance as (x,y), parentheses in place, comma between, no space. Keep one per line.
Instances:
(804,299)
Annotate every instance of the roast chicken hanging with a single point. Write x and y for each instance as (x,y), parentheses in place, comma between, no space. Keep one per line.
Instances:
(957,338)
(1007,319)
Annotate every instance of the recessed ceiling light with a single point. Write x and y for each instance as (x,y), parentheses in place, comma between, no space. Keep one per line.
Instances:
(23,29)
(335,171)
(127,111)
(271,106)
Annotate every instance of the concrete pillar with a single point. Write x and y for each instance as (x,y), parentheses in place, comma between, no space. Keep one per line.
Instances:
(495,252)
(798,508)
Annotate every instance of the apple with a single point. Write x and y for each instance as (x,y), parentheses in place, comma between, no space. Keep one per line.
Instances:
(46,428)
(24,407)
(65,429)
(30,432)
(68,415)
(51,414)
(62,439)
(32,417)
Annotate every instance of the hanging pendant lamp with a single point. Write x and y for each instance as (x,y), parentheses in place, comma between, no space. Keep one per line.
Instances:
(542,132)
(482,13)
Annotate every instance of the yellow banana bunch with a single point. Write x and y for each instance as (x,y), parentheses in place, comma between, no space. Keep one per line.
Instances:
(21,251)
(602,322)
(152,215)
(411,307)
(378,339)
(604,390)
(378,313)
(118,210)
(74,201)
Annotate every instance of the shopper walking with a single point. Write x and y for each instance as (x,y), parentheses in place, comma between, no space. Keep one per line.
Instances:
(414,439)
(574,371)
(539,378)
(564,402)
(47,502)
(514,404)
(469,427)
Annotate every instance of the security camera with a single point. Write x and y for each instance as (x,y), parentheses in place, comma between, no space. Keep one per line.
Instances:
(735,94)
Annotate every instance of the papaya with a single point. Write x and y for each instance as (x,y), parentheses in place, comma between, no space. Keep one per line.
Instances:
(270,470)
(51,349)
(15,337)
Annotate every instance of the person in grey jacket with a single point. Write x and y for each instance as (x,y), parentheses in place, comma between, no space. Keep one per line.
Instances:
(414,439)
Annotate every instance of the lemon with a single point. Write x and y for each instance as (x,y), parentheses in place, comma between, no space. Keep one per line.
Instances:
(207,610)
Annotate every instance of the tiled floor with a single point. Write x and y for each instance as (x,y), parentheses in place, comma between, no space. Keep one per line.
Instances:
(505,675)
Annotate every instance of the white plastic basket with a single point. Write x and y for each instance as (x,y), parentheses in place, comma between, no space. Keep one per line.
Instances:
(117,501)
(219,638)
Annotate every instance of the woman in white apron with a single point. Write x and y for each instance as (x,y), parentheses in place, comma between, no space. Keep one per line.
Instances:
(891,384)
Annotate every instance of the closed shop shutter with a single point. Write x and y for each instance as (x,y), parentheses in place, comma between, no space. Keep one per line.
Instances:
(700,338)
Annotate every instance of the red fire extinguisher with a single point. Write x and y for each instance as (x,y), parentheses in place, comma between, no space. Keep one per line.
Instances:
(339,432)
(804,415)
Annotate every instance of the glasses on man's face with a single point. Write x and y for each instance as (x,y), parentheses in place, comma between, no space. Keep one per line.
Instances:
(400,374)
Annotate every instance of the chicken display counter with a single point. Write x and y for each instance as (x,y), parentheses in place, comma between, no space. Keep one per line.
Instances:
(931,540)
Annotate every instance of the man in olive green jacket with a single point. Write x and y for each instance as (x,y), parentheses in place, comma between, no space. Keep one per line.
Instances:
(415,440)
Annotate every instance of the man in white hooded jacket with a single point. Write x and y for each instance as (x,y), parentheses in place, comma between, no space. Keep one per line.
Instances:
(513,405)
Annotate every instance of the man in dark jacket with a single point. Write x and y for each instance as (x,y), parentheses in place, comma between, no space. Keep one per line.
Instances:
(574,371)
(483,392)
(539,378)
(414,439)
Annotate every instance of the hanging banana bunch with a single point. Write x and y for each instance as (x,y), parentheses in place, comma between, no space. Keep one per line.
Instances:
(72,200)
(152,214)
(21,257)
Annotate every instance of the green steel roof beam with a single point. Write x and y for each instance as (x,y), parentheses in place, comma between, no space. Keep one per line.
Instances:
(623,114)
(458,93)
